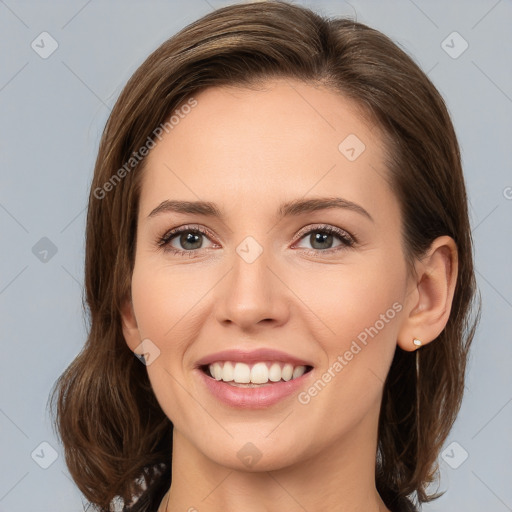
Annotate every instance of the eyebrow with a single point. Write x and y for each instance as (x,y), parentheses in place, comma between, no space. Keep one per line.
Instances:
(291,208)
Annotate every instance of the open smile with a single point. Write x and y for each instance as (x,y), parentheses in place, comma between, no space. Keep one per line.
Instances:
(256,379)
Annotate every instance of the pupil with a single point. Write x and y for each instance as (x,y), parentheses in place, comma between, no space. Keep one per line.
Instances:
(321,238)
(190,238)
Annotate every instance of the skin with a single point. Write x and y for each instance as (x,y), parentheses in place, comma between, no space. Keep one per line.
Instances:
(249,151)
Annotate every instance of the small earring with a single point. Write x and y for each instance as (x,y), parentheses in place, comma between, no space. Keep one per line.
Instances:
(417,342)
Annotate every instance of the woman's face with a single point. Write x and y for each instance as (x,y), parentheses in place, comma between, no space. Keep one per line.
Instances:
(277,282)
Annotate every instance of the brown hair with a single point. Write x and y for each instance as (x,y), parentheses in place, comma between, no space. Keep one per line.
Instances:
(113,430)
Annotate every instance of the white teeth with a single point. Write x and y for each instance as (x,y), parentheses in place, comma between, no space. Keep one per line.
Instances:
(228,372)
(217,371)
(298,371)
(287,372)
(274,373)
(242,373)
(260,373)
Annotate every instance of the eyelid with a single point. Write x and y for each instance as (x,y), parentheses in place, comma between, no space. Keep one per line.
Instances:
(325,227)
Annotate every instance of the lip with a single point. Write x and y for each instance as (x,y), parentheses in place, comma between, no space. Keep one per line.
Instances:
(252,398)
(252,356)
(258,397)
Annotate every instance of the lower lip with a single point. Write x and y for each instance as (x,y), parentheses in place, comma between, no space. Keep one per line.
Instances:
(253,398)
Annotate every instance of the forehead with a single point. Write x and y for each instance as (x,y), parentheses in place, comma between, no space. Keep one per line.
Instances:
(285,139)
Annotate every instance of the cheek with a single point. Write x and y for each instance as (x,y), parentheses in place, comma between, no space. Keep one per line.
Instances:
(352,298)
(359,311)
(363,311)
(363,301)
(165,300)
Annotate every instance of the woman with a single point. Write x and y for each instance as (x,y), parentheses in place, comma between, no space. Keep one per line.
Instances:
(278,230)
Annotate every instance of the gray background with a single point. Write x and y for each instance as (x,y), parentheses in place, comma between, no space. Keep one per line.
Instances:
(52,112)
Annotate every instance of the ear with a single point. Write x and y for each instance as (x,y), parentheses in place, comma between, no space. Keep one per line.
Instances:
(130,327)
(430,296)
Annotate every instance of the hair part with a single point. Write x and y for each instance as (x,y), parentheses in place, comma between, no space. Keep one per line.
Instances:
(113,430)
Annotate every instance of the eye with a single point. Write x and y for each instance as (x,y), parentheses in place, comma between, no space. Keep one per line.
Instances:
(184,240)
(323,239)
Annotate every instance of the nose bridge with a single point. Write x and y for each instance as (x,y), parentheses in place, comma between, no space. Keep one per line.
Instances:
(250,292)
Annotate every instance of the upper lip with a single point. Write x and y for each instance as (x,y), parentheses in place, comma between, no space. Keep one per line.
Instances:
(252,356)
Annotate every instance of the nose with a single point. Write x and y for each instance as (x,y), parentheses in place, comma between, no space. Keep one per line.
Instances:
(251,295)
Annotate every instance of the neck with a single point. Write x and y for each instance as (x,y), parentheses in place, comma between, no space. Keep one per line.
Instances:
(341,479)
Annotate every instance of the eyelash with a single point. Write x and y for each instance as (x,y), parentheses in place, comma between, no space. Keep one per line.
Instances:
(347,240)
